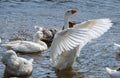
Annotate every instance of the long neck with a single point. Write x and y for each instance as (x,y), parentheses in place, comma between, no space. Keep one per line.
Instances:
(66,22)
(36,39)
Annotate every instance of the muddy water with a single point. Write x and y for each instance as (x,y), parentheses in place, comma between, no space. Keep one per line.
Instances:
(17,20)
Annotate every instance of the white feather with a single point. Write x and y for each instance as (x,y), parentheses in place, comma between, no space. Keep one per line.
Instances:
(66,40)
(96,27)
(28,46)
(72,40)
(17,66)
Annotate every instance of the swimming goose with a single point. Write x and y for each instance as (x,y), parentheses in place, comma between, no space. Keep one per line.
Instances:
(113,73)
(67,43)
(16,66)
(27,46)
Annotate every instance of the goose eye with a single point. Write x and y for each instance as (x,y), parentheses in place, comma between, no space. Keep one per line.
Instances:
(25,63)
(68,11)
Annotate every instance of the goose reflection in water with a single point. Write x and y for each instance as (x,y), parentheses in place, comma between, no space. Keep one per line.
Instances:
(7,75)
(68,73)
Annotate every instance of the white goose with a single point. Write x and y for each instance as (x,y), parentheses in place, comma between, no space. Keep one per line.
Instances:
(27,46)
(16,66)
(48,35)
(67,44)
(113,73)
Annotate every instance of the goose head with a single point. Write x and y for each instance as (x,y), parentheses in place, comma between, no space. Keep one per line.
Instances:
(67,16)
(16,66)
(38,36)
(113,73)
(39,32)
(42,33)
(9,54)
(70,12)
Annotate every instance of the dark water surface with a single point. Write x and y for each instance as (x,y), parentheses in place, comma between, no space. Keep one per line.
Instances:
(17,20)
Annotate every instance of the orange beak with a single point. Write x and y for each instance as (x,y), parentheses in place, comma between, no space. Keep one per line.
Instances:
(73,11)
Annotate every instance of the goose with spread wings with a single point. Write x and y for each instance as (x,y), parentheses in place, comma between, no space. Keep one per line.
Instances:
(67,43)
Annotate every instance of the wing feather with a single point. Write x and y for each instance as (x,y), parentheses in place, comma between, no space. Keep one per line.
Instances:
(66,40)
(78,36)
(96,27)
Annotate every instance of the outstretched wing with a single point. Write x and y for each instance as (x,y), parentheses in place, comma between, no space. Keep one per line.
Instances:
(79,35)
(96,27)
(66,40)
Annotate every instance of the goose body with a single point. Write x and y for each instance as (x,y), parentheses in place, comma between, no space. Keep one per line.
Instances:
(67,43)
(28,46)
(16,66)
(113,73)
